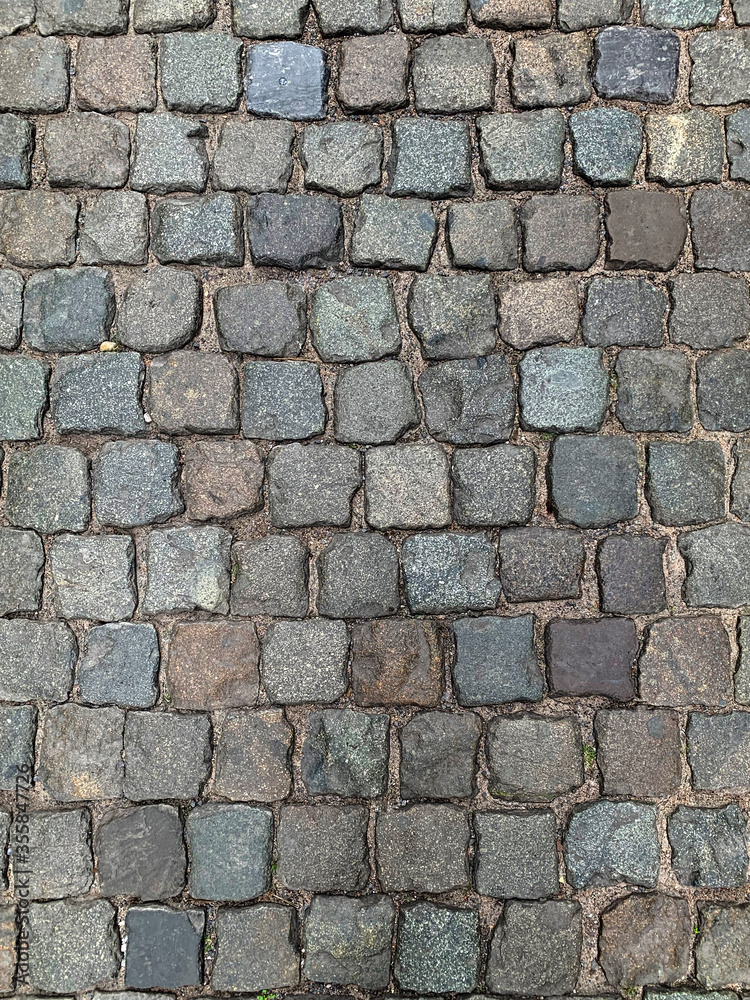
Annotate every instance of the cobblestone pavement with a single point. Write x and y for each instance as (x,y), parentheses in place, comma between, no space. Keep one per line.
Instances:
(375,511)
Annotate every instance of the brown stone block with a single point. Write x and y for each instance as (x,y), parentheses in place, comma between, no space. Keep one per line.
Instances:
(213,665)
(396,662)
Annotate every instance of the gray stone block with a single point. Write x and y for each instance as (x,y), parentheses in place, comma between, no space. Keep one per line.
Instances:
(116,74)
(449,572)
(169,154)
(287,80)
(16,150)
(59,858)
(188,570)
(312,485)
(541,564)
(90,17)
(721,67)
(80,754)
(469,402)
(270,577)
(140,852)
(720,228)
(38,228)
(638,752)
(373,73)
(685,482)
(342,158)
(654,391)
(120,666)
(719,750)
(282,400)
(631,574)
(21,571)
(17,733)
(295,231)
(683,14)
(606,144)
(563,389)
(493,486)
(193,392)
(636,64)
(709,846)
(536,948)
(496,661)
(34,74)
(11,308)
(198,230)
(430,159)
(453,75)
(200,72)
(608,843)
(723,386)
(114,229)
(136,482)
(709,310)
(685,148)
(738,139)
(442,15)
(172,15)
(721,954)
(268,319)
(624,312)
(630,950)
(406,486)
(348,941)
(167,755)
(367,16)
(573,15)
(68,309)
(94,577)
(358,577)
(594,480)
(23,397)
(98,394)
(253,756)
(354,319)
(516,854)
(72,945)
(39,658)
(323,848)
(257,948)
(718,574)
(532,758)
(374,403)
(483,236)
(560,232)
(230,851)
(164,947)
(253,156)
(270,19)
(523,150)
(305,661)
(438,755)
(160,310)
(87,150)
(437,948)
(452,315)
(393,233)
(345,753)
(423,848)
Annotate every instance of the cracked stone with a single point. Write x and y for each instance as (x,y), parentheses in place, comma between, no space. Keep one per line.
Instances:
(536,948)
(471,401)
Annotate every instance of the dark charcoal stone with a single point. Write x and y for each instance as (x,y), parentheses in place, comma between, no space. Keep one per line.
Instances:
(608,843)
(708,310)
(437,949)
(724,390)
(654,391)
(323,848)
(533,758)
(718,567)
(594,480)
(164,947)
(469,401)
(48,490)
(636,64)
(646,939)
(631,574)
(396,662)
(709,847)
(266,319)
(720,222)
(295,231)
(536,948)
(592,657)
(438,755)
(198,230)
(358,577)
(644,229)
(516,854)
(140,852)
(685,482)
(348,941)
(230,851)
(496,661)
(541,564)
(719,751)
(286,80)
(345,753)
(624,312)
(448,572)
(638,752)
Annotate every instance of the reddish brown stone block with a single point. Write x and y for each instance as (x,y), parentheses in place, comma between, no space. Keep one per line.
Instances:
(116,74)
(687,661)
(222,479)
(213,665)
(396,662)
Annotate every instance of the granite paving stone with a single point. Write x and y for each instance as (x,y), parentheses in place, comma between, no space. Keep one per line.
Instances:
(48,489)
(68,309)
(166,15)
(94,577)
(516,854)
(253,756)
(624,312)
(715,559)
(348,941)
(592,657)
(540,564)
(80,753)
(723,379)
(740,491)
(120,666)
(493,486)
(116,74)
(638,751)
(312,484)
(114,229)
(483,236)
(367,16)
(21,570)
(59,855)
(438,755)
(606,142)
(192,392)
(430,159)
(685,482)
(160,310)
(23,397)
(373,72)
(169,154)
(87,150)
(540,312)
(167,755)
(106,17)
(608,843)
(712,54)
(396,661)
(188,570)
(256,948)
(345,753)
(593,481)
(281,401)
(135,483)
(323,848)
(34,74)
(11,308)
(270,19)
(636,64)
(342,157)
(17,733)
(199,72)
(563,389)
(39,658)
(358,577)
(198,230)
(354,319)
(450,572)
(522,150)
(720,222)
(709,846)
(684,148)
(737,126)
(140,852)
(295,231)
(533,758)
(709,310)
(98,394)
(719,750)
(16,149)
(551,70)
(470,401)
(512,14)
(654,391)
(286,80)
(560,232)
(271,577)
(266,319)
(253,156)
(221,479)
(646,939)
(631,574)
(574,15)
(452,75)
(392,232)
(440,16)
(683,14)
(496,661)
(72,945)
(536,948)
(305,661)
(407,486)
(38,228)
(374,403)
(164,947)
(721,954)
(437,948)
(453,316)
(212,665)
(645,229)
(230,851)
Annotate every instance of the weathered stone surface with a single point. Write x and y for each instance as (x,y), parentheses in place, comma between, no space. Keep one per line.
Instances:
(722,950)
(720,221)
(286,80)
(367,16)
(721,67)
(221,479)
(256,948)
(560,232)
(723,384)
(94,577)
(120,666)
(345,753)
(453,315)
(493,486)
(230,851)
(192,392)
(453,75)
(685,483)
(442,15)
(38,228)
(496,661)
(38,660)
(374,403)
(169,154)
(593,481)
(740,492)
(21,571)
(551,70)
(136,482)
(11,308)
(396,662)
(683,14)
(90,17)
(608,843)
(34,74)
(563,389)
(573,15)
(709,310)
(373,73)
(140,852)
(684,148)
(270,577)
(295,231)
(164,947)
(631,574)
(533,758)
(516,854)
(87,150)
(592,657)
(437,949)
(213,665)
(540,564)
(738,136)
(482,236)
(167,755)
(522,150)
(354,319)
(358,577)
(469,401)
(69,309)
(253,756)
(16,14)
(198,230)
(638,751)
(644,229)
(305,661)
(636,64)
(160,311)
(267,319)
(200,71)
(17,732)
(312,484)
(59,858)
(16,150)
(393,233)
(23,397)
(323,848)
(646,939)
(430,159)
(719,750)
(270,18)
(114,229)
(116,74)
(253,156)
(654,391)
(80,753)
(407,486)
(512,14)
(188,570)
(606,143)
(717,565)
(98,394)
(709,847)
(72,945)
(449,571)
(624,312)
(536,948)
(438,755)
(342,158)
(348,941)
(544,311)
